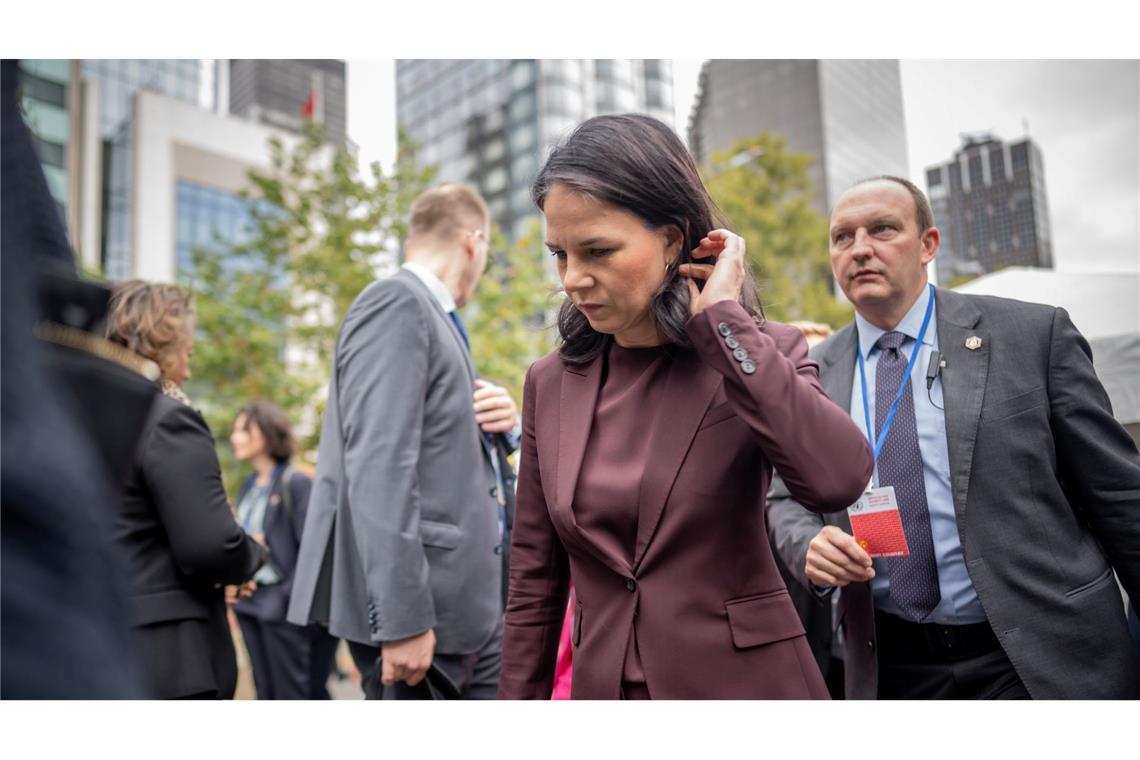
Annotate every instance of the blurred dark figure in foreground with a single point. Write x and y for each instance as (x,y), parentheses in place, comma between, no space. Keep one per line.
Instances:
(174,522)
(72,408)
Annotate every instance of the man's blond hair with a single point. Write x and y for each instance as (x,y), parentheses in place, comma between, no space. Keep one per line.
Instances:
(446,211)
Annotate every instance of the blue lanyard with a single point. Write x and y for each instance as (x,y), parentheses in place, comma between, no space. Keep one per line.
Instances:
(878,444)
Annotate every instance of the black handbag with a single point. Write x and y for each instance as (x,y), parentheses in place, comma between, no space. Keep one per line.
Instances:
(436,685)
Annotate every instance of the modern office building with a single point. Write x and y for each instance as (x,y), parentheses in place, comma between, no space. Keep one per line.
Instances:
(282,93)
(846,114)
(189,165)
(990,204)
(47,94)
(490,122)
(109,89)
(138,191)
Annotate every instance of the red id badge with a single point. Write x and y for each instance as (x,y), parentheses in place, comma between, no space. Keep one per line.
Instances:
(876,524)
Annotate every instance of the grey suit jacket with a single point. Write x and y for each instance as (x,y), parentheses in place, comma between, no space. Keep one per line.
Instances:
(1046,488)
(402,532)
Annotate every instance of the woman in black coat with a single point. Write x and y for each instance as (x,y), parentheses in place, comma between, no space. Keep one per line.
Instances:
(175,523)
(289,662)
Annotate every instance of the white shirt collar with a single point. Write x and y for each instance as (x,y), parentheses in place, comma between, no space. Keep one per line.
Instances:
(909,326)
(433,283)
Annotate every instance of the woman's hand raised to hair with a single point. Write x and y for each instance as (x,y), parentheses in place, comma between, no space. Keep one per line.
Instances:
(723,280)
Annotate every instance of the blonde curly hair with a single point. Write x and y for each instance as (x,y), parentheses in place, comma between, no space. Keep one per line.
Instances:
(153,320)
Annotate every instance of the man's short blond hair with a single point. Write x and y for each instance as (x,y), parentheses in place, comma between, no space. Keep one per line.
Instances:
(446,211)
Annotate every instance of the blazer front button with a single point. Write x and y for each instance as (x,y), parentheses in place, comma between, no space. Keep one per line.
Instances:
(630,585)
(495,492)
(724,329)
(747,367)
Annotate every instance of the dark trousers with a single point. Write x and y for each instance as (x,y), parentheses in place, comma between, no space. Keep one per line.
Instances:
(909,669)
(321,662)
(281,656)
(476,674)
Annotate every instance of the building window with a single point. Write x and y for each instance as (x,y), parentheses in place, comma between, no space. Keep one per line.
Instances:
(206,219)
(522,107)
(1019,157)
(494,150)
(975,165)
(43,90)
(495,180)
(997,167)
(934,177)
(51,153)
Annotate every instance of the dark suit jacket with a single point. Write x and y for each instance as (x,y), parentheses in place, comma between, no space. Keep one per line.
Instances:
(283,537)
(1046,488)
(402,533)
(713,617)
(183,544)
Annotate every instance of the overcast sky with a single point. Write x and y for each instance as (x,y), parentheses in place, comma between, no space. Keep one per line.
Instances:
(1084,115)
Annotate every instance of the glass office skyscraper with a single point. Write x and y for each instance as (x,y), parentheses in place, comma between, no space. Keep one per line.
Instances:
(283,92)
(847,114)
(490,122)
(990,205)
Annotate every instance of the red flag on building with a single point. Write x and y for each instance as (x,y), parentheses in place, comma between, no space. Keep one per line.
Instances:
(312,108)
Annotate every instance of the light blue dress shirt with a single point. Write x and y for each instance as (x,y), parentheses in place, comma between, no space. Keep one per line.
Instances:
(959,604)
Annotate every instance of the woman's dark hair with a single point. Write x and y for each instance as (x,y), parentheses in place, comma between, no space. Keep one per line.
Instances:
(637,164)
(274,426)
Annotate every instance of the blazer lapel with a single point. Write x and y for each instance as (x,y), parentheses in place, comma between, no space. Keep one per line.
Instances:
(443,315)
(837,366)
(963,386)
(576,404)
(450,327)
(689,390)
(836,375)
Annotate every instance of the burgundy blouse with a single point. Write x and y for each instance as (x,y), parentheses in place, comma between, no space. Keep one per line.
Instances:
(606,498)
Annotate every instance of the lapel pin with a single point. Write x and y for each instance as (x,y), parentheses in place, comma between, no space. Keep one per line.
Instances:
(973,343)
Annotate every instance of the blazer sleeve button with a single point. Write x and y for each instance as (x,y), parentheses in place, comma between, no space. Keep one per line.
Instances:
(724,329)
(747,367)
(732,342)
(740,354)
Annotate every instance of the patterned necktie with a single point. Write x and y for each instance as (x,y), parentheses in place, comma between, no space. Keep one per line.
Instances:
(914,579)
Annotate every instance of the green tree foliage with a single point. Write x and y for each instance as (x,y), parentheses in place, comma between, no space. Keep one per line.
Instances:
(269,304)
(766,193)
(506,318)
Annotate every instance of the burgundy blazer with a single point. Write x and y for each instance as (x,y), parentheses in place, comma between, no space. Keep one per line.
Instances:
(713,617)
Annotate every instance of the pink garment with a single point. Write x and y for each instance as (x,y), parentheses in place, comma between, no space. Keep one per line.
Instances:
(563,664)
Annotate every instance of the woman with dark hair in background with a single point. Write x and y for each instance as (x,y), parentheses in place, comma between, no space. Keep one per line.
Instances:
(175,523)
(289,662)
(649,440)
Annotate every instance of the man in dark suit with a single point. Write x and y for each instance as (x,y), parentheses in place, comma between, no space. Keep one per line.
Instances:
(403,543)
(1018,492)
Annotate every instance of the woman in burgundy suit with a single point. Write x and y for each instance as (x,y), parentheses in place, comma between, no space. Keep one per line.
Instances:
(649,440)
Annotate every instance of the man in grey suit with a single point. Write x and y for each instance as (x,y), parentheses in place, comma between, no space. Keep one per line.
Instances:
(1018,492)
(402,548)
